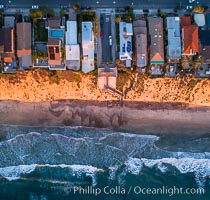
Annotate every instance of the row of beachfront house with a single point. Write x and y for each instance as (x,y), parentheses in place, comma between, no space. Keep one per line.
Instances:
(7,50)
(16,46)
(152,38)
(183,39)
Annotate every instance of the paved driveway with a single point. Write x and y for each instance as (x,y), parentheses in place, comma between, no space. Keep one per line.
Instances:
(105,33)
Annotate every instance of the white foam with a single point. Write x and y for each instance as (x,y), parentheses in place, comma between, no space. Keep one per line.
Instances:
(15,172)
(88,170)
(75,168)
(130,135)
(138,135)
(79,170)
(134,166)
(112,172)
(23,135)
(200,167)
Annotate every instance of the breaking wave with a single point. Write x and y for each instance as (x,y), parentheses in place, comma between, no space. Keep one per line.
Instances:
(78,171)
(15,172)
(68,155)
(199,167)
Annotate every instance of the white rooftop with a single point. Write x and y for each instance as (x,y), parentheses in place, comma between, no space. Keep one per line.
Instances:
(71,33)
(200,19)
(87,47)
(129,29)
(72,52)
(174,40)
(126,42)
(87,32)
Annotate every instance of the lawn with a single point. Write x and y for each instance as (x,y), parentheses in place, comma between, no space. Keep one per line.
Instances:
(87,16)
(41,33)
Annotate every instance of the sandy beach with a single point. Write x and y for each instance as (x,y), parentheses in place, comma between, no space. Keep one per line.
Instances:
(44,98)
(149,118)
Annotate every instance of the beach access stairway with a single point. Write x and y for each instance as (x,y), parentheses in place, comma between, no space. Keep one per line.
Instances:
(114,91)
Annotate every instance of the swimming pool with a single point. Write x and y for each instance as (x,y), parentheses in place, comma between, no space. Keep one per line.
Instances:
(56,33)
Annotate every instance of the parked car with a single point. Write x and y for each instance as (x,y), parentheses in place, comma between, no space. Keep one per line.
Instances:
(35,7)
(88,7)
(110,40)
(64,7)
(2,7)
(127,7)
(189,7)
(101,34)
(26,19)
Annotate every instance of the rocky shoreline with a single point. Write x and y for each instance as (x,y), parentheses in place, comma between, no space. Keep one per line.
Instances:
(139,117)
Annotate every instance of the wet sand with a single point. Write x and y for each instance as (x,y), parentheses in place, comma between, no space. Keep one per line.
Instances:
(139,117)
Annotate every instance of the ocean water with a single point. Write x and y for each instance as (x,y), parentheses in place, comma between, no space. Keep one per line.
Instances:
(44,163)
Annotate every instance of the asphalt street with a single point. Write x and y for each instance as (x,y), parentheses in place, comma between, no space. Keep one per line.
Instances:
(107,3)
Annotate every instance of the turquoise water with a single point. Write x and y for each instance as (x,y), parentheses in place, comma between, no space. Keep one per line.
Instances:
(87,163)
(56,33)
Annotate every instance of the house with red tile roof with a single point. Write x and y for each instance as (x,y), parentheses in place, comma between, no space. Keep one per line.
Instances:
(190,44)
(185,21)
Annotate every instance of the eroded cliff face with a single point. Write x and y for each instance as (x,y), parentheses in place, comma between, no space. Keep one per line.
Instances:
(42,85)
(181,89)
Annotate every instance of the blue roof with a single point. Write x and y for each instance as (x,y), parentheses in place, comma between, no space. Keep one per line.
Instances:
(9,67)
(174,40)
(208,20)
(204,36)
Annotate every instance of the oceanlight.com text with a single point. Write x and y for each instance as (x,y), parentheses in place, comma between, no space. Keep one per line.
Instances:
(169,191)
(136,190)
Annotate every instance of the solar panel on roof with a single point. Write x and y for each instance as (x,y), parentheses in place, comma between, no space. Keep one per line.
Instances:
(51,49)
(52,56)
(57,50)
